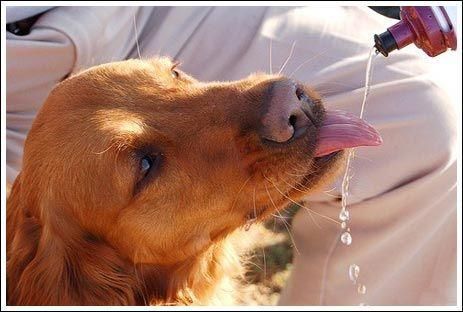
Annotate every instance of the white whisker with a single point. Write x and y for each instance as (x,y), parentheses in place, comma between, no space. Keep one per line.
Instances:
(270,57)
(239,191)
(287,59)
(305,62)
(136,34)
(254,202)
(290,235)
(310,214)
(265,262)
(308,209)
(330,190)
(284,221)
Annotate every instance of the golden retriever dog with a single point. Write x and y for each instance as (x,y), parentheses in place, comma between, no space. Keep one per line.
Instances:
(136,177)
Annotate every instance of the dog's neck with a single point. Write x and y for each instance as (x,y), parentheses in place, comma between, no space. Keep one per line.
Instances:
(193,281)
(90,272)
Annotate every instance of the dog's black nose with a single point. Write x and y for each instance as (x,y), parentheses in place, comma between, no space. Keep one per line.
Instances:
(289,112)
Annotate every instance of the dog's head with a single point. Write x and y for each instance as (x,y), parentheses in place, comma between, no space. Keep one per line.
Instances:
(137,162)
(160,165)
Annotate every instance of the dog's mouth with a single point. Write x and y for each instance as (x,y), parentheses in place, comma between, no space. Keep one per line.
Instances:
(338,131)
(323,160)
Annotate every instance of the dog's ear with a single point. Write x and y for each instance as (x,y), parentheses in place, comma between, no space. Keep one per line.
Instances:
(22,234)
(50,261)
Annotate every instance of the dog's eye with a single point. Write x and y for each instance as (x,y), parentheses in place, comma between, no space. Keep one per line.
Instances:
(145,165)
(148,163)
(175,74)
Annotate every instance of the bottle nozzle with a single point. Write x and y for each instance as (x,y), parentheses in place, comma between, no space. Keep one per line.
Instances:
(428,27)
(385,43)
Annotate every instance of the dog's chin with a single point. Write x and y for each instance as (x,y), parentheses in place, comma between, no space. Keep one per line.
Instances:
(327,168)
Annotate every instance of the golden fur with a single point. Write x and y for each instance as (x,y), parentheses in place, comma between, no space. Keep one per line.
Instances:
(85,228)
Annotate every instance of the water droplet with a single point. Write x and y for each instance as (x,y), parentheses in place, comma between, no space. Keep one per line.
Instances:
(363,304)
(344,215)
(354,271)
(348,230)
(362,289)
(346,238)
(343,225)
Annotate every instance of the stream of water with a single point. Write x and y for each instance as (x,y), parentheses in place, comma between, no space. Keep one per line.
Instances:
(344,217)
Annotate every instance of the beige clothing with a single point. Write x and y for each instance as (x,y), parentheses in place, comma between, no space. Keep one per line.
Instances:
(403,194)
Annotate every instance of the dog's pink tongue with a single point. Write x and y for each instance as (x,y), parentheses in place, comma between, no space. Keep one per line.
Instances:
(342,130)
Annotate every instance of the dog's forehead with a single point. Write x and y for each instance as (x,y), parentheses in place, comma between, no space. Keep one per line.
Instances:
(161,63)
(118,82)
(118,122)
(152,65)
